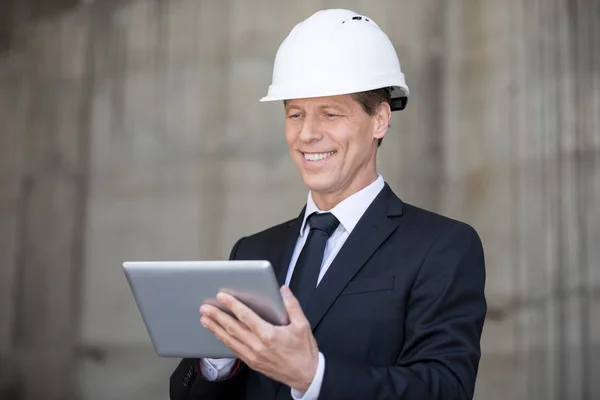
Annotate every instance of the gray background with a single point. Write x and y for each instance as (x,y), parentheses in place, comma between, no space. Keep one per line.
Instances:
(132,130)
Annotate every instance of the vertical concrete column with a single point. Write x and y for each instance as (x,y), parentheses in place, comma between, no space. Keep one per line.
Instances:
(557,183)
(49,226)
(13,101)
(213,154)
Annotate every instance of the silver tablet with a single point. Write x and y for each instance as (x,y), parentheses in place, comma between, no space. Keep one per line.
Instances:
(170,293)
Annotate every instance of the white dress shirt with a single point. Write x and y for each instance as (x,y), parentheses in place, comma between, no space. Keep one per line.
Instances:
(348,212)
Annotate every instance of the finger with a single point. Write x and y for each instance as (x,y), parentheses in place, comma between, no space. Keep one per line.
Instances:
(250,353)
(244,314)
(292,306)
(235,345)
(226,321)
(231,326)
(207,308)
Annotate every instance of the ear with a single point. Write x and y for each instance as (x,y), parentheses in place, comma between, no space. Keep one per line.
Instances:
(381,120)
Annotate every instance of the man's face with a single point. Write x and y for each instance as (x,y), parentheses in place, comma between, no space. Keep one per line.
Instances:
(333,141)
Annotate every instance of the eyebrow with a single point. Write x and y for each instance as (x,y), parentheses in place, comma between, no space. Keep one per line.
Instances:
(321,107)
(330,105)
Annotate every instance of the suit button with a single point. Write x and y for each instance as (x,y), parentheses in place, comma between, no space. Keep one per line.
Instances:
(188,378)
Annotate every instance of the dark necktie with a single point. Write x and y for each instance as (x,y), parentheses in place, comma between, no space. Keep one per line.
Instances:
(308,266)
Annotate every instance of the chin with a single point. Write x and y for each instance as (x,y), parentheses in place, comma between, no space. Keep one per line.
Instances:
(319,183)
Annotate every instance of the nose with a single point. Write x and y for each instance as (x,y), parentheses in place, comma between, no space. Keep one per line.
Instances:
(311,130)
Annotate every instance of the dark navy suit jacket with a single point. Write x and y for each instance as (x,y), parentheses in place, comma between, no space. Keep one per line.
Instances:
(398,315)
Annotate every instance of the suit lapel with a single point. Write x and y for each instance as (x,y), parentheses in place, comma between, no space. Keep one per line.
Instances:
(377,224)
(289,241)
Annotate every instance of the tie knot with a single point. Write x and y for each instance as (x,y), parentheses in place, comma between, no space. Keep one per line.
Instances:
(326,222)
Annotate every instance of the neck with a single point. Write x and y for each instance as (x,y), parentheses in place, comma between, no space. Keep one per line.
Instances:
(326,201)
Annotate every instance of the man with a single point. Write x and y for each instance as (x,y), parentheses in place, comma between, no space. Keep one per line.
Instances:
(386,300)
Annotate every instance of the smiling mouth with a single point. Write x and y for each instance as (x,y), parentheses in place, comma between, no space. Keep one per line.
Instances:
(318,156)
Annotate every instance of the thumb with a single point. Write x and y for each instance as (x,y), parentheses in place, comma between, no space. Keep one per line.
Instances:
(292,305)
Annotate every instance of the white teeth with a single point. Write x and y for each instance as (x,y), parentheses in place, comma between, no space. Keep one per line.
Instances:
(317,156)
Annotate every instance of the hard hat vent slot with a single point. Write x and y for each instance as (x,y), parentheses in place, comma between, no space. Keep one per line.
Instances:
(358,18)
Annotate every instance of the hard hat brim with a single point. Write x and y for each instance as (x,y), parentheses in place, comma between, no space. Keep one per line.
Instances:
(399,94)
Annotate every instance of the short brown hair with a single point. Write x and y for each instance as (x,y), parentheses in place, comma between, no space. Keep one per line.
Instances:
(371,100)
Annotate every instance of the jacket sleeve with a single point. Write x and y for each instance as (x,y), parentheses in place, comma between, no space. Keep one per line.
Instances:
(444,322)
(187,382)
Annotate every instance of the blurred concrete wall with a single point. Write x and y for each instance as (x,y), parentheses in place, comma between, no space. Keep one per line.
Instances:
(132,130)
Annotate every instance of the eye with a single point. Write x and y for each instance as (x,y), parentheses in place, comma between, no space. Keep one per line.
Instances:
(294,116)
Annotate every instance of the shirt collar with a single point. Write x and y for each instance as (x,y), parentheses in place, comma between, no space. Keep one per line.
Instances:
(350,210)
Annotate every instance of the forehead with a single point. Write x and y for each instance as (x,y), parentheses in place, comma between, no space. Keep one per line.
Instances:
(345,101)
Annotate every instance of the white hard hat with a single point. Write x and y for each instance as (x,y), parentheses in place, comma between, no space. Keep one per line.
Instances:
(336,52)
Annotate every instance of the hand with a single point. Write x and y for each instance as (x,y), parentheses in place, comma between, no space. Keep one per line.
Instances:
(287,354)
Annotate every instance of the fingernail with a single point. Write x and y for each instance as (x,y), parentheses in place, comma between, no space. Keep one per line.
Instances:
(221,297)
(203,322)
